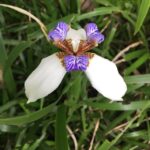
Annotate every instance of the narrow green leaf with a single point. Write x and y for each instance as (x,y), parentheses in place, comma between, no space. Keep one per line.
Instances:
(104,2)
(15,53)
(2,19)
(62,6)
(118,106)
(104,146)
(75,90)
(22,11)
(109,39)
(38,141)
(3,53)
(137,64)
(135,54)
(8,77)
(143,10)
(137,79)
(60,129)
(98,12)
(33,116)
(78,6)
(8,105)
(114,141)
(137,134)
(36,8)
(8,128)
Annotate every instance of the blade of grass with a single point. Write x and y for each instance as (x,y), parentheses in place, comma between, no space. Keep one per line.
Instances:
(24,119)
(3,54)
(7,106)
(36,144)
(97,12)
(135,54)
(147,105)
(137,64)
(117,106)
(15,53)
(20,10)
(36,8)
(127,16)
(104,146)
(108,41)
(143,10)
(104,2)
(78,6)
(137,79)
(60,129)
(62,6)
(2,19)
(8,77)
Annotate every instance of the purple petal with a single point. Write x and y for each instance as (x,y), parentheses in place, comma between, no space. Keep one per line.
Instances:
(82,62)
(74,63)
(93,33)
(69,62)
(90,28)
(59,33)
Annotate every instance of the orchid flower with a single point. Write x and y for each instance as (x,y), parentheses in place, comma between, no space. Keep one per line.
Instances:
(102,73)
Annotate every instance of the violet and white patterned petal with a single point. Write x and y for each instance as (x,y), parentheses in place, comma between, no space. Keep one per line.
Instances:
(91,28)
(59,32)
(82,62)
(93,33)
(74,63)
(69,62)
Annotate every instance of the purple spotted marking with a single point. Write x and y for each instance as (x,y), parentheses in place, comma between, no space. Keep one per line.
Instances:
(74,63)
(59,32)
(93,33)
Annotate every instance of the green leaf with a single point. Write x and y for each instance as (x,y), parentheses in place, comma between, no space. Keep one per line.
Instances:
(8,77)
(109,39)
(137,64)
(60,129)
(75,90)
(33,116)
(137,79)
(15,53)
(24,12)
(104,146)
(118,106)
(143,10)
(98,12)
(114,141)
(62,6)
(135,54)
(7,106)
(3,54)
(78,6)
(104,2)
(7,129)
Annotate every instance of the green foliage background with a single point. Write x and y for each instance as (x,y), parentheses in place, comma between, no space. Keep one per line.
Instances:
(75,106)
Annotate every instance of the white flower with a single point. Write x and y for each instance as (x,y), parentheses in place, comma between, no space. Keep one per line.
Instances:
(102,73)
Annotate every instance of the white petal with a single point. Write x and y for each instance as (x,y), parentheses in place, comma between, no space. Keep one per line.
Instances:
(45,78)
(76,36)
(105,78)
